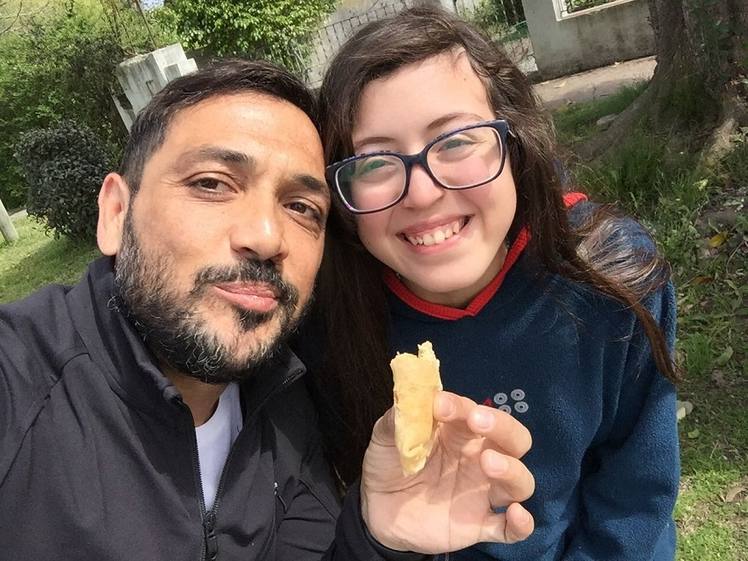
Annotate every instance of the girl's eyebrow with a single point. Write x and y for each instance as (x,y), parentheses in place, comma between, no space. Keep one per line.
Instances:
(449,117)
(432,126)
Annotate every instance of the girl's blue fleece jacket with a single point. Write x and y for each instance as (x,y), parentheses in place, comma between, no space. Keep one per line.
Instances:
(575,368)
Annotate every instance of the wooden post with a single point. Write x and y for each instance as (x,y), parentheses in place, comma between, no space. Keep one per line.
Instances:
(6,226)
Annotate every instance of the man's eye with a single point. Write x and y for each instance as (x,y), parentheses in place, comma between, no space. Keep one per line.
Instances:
(208,184)
(305,210)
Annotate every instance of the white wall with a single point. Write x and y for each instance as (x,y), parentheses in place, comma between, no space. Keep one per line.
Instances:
(587,39)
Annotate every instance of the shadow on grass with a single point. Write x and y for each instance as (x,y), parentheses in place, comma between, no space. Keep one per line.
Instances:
(56,261)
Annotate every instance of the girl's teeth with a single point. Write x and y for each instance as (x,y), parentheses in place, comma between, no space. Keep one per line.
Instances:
(437,236)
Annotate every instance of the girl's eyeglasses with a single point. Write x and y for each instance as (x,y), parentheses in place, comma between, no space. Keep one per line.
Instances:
(461,159)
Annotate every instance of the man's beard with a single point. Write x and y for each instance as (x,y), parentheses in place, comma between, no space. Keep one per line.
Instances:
(170,326)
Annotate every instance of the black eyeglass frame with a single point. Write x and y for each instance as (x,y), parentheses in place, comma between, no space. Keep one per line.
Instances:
(500,125)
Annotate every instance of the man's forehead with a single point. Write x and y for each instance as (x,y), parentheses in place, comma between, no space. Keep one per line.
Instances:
(226,127)
(250,104)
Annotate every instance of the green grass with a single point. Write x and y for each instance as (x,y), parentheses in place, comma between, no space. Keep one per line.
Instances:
(670,194)
(578,121)
(37,259)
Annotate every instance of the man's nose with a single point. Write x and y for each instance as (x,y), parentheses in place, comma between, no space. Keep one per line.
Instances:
(422,190)
(257,230)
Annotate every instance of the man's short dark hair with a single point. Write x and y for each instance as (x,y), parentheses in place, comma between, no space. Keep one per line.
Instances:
(228,77)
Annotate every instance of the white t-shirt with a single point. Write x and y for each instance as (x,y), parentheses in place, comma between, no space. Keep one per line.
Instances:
(215,438)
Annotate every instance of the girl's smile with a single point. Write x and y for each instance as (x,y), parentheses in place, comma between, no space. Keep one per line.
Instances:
(446,245)
(434,233)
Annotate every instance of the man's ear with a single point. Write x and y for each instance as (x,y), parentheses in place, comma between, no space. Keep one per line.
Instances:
(114,201)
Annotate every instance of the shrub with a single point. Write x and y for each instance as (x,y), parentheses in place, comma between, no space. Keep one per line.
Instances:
(63,166)
(277,30)
(57,62)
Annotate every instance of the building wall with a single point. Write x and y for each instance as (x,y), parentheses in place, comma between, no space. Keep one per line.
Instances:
(587,39)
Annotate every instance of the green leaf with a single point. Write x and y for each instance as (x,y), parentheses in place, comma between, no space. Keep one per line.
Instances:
(725,357)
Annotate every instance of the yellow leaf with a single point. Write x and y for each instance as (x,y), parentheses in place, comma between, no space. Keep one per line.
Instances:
(701,184)
(718,239)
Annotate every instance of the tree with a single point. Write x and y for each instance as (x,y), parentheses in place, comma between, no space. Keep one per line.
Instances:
(699,86)
(275,29)
(57,62)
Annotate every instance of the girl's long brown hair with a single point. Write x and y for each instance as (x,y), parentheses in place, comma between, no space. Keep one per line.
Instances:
(353,387)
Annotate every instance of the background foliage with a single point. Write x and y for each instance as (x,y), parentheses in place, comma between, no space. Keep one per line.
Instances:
(63,166)
(57,62)
(274,29)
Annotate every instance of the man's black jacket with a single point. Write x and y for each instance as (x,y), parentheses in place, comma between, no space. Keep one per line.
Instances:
(98,458)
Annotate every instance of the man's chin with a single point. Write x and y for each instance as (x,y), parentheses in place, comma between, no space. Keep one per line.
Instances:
(250,345)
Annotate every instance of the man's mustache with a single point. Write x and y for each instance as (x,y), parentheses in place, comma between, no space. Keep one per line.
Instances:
(248,271)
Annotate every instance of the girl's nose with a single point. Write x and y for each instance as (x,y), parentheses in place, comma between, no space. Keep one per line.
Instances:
(422,190)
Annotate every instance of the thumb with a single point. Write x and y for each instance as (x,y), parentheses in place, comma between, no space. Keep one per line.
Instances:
(384,429)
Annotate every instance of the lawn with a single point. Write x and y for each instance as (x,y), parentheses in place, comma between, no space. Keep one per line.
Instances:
(37,259)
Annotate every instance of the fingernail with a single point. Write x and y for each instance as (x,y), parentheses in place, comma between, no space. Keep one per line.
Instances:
(482,419)
(444,407)
(524,516)
(497,463)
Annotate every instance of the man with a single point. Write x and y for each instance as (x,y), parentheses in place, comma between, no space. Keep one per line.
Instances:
(152,411)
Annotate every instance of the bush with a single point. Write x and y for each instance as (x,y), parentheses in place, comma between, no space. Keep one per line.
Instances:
(276,30)
(57,62)
(63,166)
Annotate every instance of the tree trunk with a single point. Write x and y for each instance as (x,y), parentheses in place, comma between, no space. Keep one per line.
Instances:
(699,83)
(6,226)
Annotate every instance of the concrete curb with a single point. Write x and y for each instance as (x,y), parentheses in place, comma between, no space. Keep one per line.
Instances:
(594,84)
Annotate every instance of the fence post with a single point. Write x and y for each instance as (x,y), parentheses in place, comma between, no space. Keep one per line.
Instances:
(6,226)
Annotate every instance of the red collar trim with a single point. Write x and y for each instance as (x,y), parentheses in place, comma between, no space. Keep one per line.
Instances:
(476,305)
(484,296)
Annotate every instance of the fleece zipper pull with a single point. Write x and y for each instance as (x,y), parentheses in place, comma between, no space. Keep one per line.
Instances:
(209,536)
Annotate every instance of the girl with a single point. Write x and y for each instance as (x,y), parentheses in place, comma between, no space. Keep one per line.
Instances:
(453,227)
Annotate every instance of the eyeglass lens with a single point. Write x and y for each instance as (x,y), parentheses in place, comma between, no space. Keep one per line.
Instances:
(458,161)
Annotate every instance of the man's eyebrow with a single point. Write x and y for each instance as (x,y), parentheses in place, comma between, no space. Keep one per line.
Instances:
(312,183)
(214,154)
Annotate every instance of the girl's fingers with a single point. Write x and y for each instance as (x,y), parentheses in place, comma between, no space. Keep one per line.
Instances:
(510,479)
(514,525)
(503,431)
(467,419)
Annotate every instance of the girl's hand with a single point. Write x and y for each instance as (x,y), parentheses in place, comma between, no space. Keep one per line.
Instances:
(447,506)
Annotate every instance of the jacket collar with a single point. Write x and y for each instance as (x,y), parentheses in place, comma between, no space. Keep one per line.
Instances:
(131,368)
